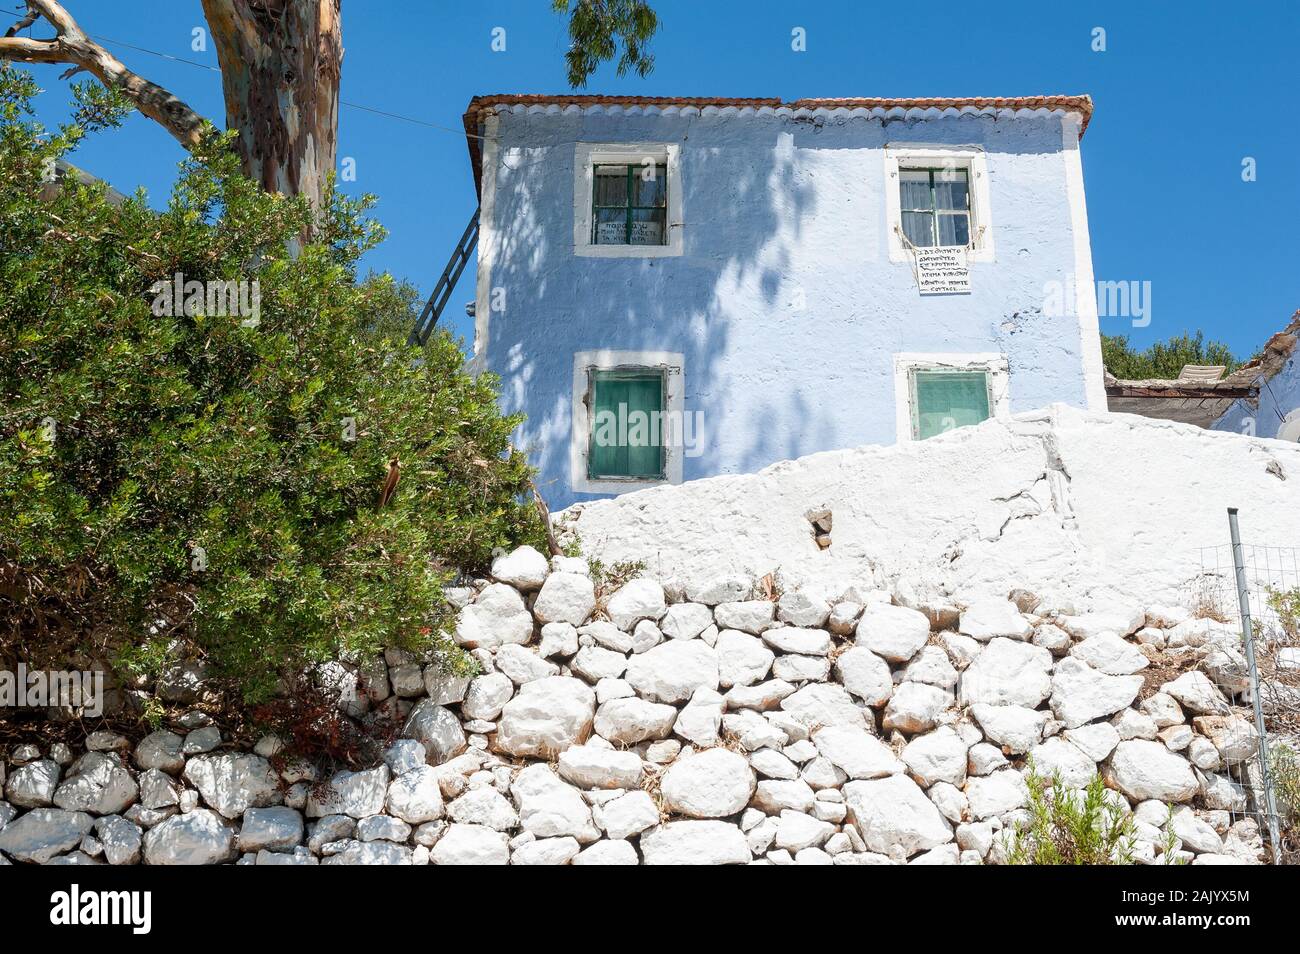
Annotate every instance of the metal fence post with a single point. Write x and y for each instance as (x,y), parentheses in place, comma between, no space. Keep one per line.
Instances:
(1243,601)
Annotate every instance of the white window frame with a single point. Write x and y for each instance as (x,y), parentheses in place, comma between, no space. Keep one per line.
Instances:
(991,363)
(936,156)
(672,364)
(588,155)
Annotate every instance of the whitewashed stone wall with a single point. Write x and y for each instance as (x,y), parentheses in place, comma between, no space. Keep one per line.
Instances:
(1089,505)
(702,724)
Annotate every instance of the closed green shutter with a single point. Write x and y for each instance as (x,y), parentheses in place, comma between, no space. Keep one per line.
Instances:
(626,438)
(942,400)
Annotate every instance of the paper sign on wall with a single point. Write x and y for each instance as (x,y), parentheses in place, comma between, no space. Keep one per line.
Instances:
(942,271)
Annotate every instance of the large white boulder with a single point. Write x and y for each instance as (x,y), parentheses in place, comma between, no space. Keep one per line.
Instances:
(1197,694)
(551,808)
(44,833)
(893,816)
(634,601)
(592,766)
(497,617)
(1008,672)
(415,796)
(710,784)
(199,837)
(742,659)
(358,794)
(1142,769)
(823,703)
(1017,729)
(865,674)
(672,671)
(1081,694)
(565,598)
(938,756)
(627,815)
(857,752)
(990,618)
(523,568)
(546,716)
(694,842)
(631,720)
(98,783)
(437,728)
(232,782)
(892,632)
(1110,654)
(471,845)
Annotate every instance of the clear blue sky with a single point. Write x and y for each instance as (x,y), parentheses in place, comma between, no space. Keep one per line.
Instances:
(1183,92)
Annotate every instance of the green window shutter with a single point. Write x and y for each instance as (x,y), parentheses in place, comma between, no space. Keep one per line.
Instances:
(942,400)
(626,435)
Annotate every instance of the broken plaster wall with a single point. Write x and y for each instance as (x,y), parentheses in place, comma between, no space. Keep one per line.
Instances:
(1091,505)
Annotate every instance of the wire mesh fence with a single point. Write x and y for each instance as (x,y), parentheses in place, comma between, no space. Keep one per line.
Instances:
(1260,774)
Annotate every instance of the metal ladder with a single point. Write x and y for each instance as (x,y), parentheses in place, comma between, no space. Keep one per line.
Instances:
(428,319)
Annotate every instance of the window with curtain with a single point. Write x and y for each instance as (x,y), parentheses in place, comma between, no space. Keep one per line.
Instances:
(943,400)
(626,425)
(935,206)
(629,204)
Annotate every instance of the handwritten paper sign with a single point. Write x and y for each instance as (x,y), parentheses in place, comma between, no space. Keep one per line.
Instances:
(942,271)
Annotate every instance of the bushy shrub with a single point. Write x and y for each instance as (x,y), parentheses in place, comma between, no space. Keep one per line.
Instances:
(177,478)
(1071,826)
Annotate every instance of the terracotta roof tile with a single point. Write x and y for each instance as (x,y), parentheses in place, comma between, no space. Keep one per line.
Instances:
(480,104)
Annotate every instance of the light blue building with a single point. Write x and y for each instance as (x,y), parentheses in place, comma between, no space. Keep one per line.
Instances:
(1273,407)
(679,288)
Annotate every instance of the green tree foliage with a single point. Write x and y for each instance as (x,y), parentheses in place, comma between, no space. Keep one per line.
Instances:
(173,475)
(1164,359)
(597,30)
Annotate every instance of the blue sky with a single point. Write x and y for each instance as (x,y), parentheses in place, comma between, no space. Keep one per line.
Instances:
(1184,91)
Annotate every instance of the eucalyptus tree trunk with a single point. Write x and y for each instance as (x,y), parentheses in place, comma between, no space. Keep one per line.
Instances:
(280,66)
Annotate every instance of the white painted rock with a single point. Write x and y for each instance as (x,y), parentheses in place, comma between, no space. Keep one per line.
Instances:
(607,853)
(546,716)
(590,766)
(357,794)
(866,675)
(271,829)
(122,840)
(988,619)
(627,815)
(438,729)
(471,845)
(1096,741)
(892,632)
(801,608)
(749,616)
(33,785)
(686,620)
(996,794)
(742,659)
(565,598)
(415,796)
(931,666)
(44,833)
(1015,728)
(484,806)
(672,671)
(1197,694)
(545,851)
(1007,673)
(1110,654)
(594,663)
(160,750)
(857,752)
(634,601)
(523,568)
(632,720)
(823,703)
(791,639)
(199,837)
(550,808)
(938,756)
(700,720)
(893,815)
(487,695)
(97,783)
(710,784)
(233,783)
(523,665)
(496,618)
(1057,757)
(1142,769)
(915,707)
(1081,694)
(695,843)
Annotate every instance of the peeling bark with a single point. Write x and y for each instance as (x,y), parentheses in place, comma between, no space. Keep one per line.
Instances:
(280,66)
